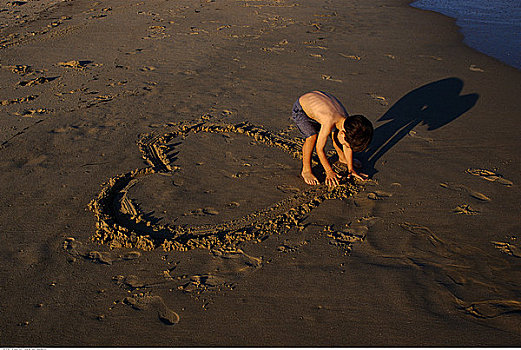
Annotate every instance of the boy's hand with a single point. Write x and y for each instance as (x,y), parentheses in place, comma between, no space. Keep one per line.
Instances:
(360,176)
(332,179)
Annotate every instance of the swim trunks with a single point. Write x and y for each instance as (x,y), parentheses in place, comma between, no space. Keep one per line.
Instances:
(307,126)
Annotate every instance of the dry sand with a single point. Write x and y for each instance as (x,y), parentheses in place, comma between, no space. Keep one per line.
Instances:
(150,178)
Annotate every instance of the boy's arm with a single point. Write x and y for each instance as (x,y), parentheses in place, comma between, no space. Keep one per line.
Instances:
(331,176)
(338,147)
(348,154)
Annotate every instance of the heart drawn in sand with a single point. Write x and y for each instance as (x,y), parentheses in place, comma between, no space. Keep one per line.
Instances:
(120,223)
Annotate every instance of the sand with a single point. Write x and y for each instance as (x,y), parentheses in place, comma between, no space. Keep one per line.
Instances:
(150,178)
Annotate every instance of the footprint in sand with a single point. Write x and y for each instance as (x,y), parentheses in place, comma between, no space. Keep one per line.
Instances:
(465,209)
(233,205)
(32,112)
(491,308)
(378,195)
(156,33)
(37,81)
(19,69)
(136,51)
(201,283)
(490,176)
(472,193)
(313,45)
(240,174)
(380,99)
(104,98)
(422,231)
(18,100)
(290,248)
(330,78)
(99,257)
(118,83)
(508,248)
(275,49)
(98,99)
(203,211)
(16,3)
(216,271)
(146,301)
(101,12)
(351,57)
(75,64)
(350,233)
(224,26)
(415,135)
(210,211)
(131,255)
(288,189)
(75,250)
(436,58)
(474,68)
(131,281)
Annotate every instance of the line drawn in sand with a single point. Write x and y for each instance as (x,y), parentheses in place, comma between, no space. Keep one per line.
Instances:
(120,223)
(477,283)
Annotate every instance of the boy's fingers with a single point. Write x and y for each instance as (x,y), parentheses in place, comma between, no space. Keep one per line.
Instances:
(359,176)
(332,182)
(362,177)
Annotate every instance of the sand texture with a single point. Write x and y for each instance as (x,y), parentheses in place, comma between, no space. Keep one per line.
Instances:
(151,191)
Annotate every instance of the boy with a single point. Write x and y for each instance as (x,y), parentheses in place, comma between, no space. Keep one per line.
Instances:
(318,114)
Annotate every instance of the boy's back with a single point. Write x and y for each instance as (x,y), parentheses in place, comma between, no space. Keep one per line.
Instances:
(322,107)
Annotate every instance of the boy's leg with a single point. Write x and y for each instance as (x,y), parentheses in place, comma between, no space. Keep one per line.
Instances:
(307,151)
(309,130)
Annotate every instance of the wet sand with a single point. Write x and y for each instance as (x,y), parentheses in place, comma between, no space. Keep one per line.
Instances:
(151,192)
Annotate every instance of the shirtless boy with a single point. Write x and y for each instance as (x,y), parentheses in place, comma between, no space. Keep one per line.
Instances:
(319,114)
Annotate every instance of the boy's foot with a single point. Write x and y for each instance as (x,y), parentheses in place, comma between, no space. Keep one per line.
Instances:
(309,178)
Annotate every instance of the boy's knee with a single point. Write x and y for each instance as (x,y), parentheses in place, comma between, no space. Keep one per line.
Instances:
(311,138)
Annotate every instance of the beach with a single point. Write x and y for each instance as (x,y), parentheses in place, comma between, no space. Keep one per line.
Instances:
(151,191)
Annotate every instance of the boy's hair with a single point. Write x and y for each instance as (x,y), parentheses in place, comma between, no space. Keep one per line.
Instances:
(358,131)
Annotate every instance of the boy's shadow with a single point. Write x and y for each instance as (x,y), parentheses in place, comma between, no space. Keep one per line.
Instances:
(435,104)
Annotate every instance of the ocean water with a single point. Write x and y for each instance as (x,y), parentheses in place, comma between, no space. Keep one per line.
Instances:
(490,26)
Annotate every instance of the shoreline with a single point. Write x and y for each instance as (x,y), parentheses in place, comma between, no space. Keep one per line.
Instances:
(502,57)
(425,254)
(459,30)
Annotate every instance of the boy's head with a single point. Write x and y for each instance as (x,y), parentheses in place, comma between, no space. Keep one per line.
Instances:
(358,131)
